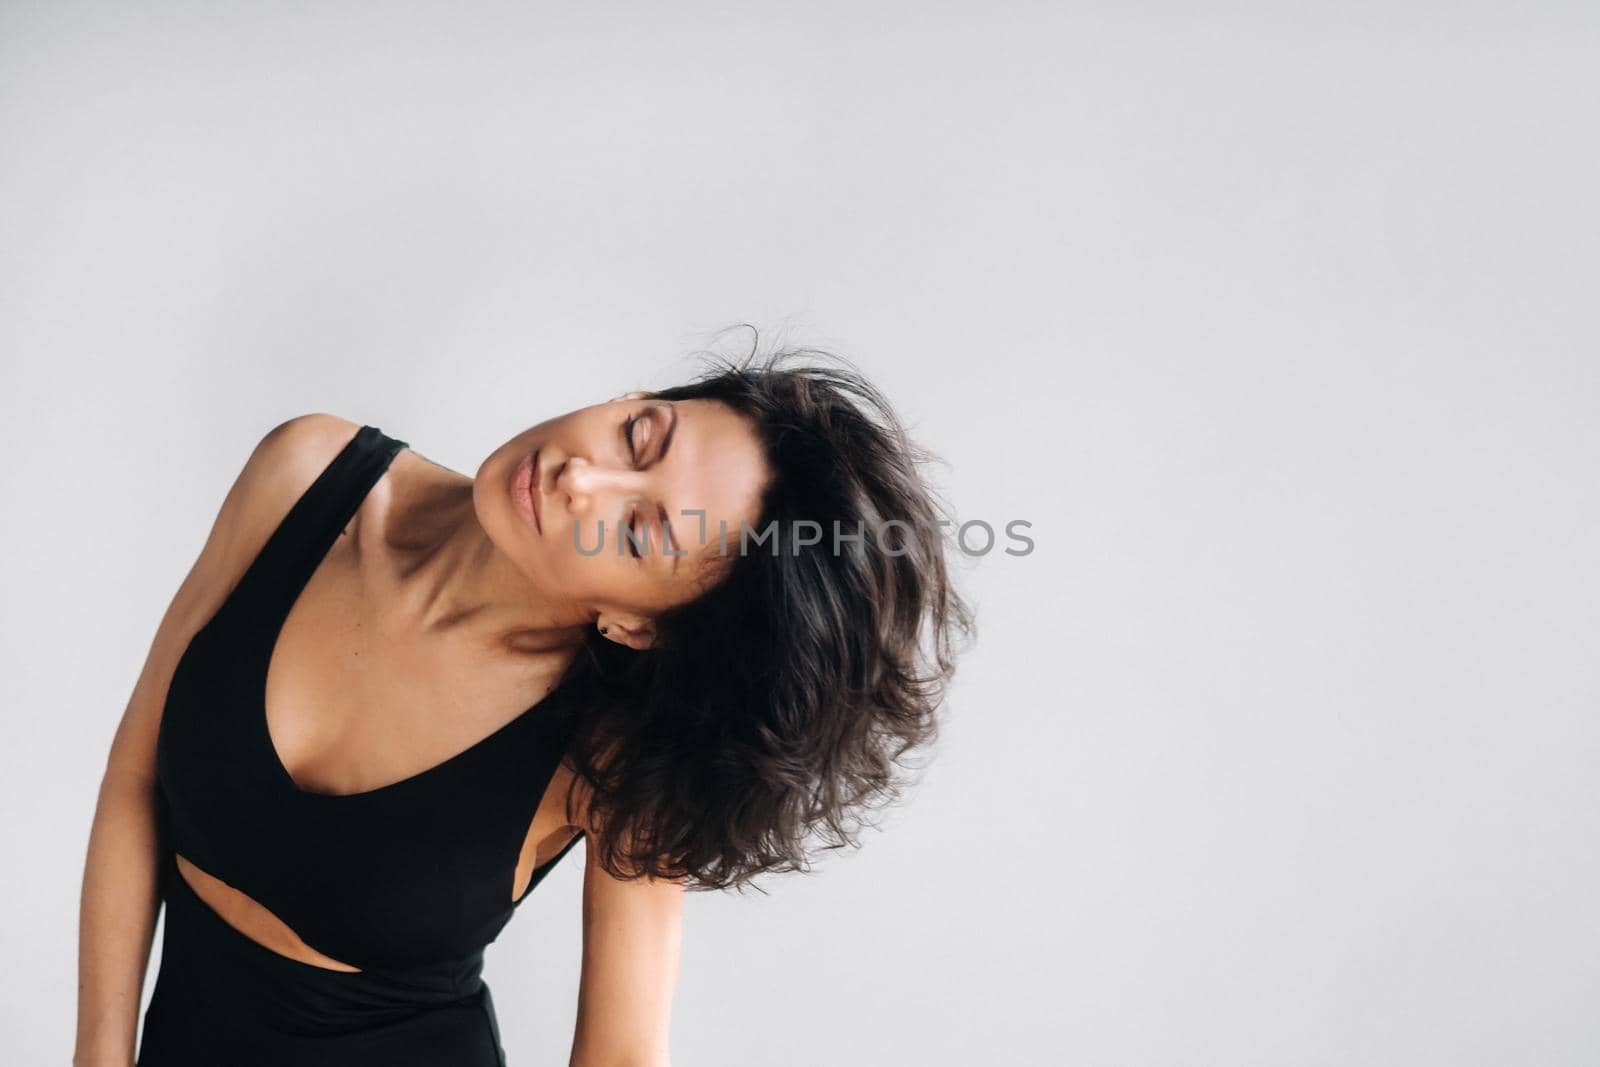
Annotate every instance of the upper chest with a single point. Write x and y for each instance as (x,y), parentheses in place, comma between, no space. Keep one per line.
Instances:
(355,699)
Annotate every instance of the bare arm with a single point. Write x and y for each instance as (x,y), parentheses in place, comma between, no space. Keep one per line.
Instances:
(632,940)
(119,901)
(120,894)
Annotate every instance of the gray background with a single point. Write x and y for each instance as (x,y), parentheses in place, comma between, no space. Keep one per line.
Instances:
(1276,321)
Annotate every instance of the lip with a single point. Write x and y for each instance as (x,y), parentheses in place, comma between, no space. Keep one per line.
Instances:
(525,490)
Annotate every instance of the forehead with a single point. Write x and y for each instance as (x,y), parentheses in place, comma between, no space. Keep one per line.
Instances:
(715,465)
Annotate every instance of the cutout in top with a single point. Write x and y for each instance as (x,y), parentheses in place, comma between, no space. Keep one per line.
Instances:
(250,920)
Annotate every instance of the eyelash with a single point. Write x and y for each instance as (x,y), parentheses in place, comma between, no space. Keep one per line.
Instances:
(633,455)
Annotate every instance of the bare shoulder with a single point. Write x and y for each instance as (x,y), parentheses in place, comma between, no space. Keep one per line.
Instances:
(290,456)
(284,463)
(280,468)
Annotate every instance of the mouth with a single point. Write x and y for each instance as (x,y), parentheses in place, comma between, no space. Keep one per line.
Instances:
(525,490)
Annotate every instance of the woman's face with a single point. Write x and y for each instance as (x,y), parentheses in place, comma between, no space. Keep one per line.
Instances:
(633,464)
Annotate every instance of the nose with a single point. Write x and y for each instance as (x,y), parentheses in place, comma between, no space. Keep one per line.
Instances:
(584,482)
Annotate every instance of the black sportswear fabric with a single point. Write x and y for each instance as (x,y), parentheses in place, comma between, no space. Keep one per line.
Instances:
(409,882)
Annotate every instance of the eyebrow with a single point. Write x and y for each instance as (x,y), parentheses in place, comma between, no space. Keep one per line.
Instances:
(666,528)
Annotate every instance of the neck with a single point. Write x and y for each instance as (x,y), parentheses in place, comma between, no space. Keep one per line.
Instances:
(454,578)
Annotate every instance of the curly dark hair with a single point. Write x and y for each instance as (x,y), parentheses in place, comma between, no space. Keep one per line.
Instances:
(777,709)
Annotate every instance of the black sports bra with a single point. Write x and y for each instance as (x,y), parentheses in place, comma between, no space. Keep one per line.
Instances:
(415,876)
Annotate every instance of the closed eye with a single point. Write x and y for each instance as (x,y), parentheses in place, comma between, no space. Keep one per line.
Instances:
(633,540)
(629,435)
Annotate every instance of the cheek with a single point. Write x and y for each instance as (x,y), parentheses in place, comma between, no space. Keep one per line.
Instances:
(588,571)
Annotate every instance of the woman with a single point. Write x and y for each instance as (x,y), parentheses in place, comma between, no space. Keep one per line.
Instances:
(696,628)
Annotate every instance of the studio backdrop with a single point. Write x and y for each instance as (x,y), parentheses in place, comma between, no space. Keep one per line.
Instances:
(1257,348)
